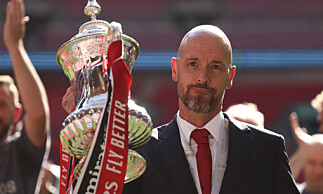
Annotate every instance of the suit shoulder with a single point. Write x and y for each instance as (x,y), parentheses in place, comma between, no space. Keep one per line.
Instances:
(252,129)
(154,138)
(266,132)
(257,132)
(157,131)
(265,137)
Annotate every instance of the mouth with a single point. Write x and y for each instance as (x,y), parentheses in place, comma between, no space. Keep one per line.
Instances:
(201,89)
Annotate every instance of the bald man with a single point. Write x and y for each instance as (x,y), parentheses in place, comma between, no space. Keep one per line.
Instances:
(313,166)
(308,158)
(245,159)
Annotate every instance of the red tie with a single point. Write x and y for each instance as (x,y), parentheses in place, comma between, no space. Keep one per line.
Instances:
(204,159)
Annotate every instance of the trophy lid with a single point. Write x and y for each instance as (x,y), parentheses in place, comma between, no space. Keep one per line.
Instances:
(94,26)
(93,39)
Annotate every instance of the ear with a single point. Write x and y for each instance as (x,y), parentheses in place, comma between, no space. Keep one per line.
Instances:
(174,69)
(231,76)
(17,112)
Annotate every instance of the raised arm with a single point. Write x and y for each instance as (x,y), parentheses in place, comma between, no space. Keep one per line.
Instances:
(297,160)
(32,91)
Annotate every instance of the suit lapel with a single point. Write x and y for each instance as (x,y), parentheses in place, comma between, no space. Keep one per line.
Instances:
(238,155)
(175,160)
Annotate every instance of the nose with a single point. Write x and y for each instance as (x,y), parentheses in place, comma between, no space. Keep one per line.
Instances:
(203,77)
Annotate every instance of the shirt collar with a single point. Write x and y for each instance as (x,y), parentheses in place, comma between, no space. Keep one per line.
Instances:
(213,126)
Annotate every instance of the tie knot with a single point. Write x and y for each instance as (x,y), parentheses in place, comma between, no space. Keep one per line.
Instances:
(200,136)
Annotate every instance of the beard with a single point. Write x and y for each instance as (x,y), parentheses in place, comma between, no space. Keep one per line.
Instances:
(200,104)
(4,130)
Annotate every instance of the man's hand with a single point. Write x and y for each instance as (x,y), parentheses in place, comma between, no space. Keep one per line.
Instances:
(68,100)
(303,139)
(300,135)
(15,24)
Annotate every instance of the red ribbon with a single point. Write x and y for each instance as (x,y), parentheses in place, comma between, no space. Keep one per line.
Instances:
(114,165)
(65,169)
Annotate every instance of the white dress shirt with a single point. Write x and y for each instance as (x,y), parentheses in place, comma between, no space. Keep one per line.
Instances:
(190,146)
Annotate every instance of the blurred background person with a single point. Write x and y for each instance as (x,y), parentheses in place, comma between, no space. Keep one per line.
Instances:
(21,153)
(246,112)
(307,161)
(313,166)
(302,137)
(309,158)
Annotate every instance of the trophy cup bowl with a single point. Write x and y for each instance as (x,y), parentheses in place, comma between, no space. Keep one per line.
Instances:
(83,61)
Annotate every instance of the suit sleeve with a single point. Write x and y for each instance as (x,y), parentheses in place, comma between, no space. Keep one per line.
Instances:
(284,182)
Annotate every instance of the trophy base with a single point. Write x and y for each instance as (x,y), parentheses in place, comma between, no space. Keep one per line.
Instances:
(136,166)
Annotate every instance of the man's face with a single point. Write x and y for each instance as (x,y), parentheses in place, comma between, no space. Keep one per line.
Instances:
(313,169)
(6,112)
(203,71)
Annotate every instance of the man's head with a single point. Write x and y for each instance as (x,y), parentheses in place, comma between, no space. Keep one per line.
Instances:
(313,169)
(203,69)
(9,106)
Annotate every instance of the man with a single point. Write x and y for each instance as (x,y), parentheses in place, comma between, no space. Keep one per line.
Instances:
(241,159)
(21,153)
(313,166)
(245,159)
(301,136)
(308,158)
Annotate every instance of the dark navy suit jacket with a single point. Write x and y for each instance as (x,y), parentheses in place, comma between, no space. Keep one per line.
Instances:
(257,163)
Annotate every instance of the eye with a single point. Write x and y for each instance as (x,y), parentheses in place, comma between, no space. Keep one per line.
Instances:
(192,64)
(215,66)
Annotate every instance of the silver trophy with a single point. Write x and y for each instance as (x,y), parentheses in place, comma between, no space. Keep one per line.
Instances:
(82,58)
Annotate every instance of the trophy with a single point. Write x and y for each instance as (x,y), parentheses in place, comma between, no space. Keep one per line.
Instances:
(93,62)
